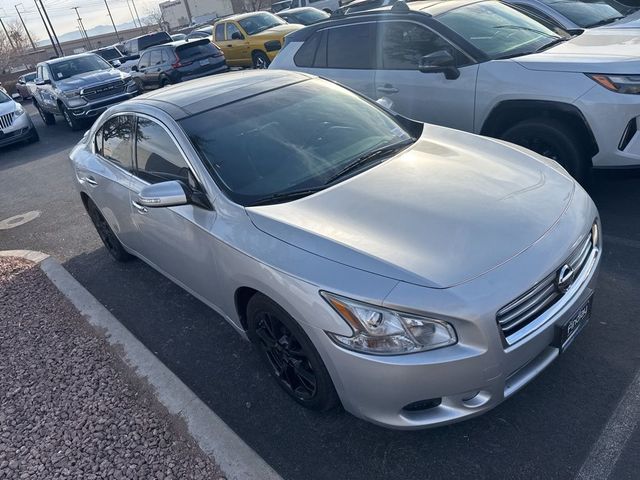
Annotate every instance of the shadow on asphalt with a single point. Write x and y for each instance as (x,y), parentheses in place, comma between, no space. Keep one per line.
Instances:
(544,431)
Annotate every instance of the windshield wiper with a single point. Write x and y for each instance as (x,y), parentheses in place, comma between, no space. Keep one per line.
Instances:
(606,21)
(519,27)
(373,155)
(288,195)
(552,43)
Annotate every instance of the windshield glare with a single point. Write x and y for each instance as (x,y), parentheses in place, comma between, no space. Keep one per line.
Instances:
(76,66)
(293,138)
(585,14)
(260,22)
(498,30)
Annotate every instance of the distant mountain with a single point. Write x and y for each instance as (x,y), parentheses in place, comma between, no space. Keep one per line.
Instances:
(92,32)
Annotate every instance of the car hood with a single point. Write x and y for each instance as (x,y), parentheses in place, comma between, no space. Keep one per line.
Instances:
(7,107)
(277,32)
(448,209)
(599,50)
(89,79)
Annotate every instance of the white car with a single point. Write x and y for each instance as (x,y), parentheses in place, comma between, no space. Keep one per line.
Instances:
(485,67)
(15,123)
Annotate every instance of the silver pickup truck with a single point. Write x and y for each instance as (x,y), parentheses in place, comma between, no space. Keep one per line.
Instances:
(79,87)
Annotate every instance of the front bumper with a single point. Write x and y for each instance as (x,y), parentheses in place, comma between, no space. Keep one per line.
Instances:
(95,108)
(480,371)
(21,129)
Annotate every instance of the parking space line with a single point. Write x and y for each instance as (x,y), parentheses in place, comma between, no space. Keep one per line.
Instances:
(605,452)
(625,242)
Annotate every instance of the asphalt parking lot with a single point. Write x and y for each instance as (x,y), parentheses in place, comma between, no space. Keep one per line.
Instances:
(551,429)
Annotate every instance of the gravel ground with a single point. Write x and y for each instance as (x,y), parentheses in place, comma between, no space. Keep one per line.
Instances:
(69,408)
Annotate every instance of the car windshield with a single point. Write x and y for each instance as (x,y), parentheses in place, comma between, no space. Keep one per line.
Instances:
(588,14)
(290,139)
(109,53)
(498,30)
(260,22)
(76,66)
(30,77)
(4,98)
(309,16)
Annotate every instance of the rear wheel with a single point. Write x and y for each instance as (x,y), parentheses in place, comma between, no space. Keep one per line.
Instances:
(109,239)
(47,118)
(555,140)
(290,355)
(260,60)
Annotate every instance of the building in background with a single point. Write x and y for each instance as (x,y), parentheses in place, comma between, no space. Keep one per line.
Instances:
(182,13)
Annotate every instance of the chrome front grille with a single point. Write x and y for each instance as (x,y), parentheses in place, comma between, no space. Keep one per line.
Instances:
(104,90)
(6,120)
(527,307)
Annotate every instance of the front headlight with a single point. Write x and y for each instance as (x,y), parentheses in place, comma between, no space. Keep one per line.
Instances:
(618,83)
(19,110)
(71,93)
(382,331)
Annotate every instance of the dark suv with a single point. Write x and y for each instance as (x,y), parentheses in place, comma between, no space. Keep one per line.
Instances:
(178,61)
(79,87)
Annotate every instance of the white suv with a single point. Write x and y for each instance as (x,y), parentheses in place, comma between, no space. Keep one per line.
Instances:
(487,68)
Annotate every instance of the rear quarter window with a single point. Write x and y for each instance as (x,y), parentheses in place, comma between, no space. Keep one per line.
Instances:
(306,54)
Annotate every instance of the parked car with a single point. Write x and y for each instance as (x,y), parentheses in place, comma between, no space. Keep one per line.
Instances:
(485,67)
(178,36)
(135,46)
(327,5)
(573,15)
(79,87)
(112,54)
(204,32)
(15,123)
(177,62)
(279,6)
(361,6)
(303,15)
(419,275)
(251,39)
(22,86)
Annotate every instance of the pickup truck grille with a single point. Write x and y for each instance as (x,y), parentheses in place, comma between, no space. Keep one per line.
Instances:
(104,90)
(6,120)
(530,305)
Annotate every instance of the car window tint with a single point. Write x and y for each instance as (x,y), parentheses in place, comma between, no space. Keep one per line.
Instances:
(231,29)
(306,54)
(155,58)
(157,156)
(405,43)
(220,32)
(351,47)
(144,60)
(167,55)
(536,14)
(116,141)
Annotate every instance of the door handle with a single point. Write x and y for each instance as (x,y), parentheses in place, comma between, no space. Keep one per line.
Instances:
(388,88)
(141,209)
(91,181)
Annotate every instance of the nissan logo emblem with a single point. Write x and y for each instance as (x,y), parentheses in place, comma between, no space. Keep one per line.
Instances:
(565,278)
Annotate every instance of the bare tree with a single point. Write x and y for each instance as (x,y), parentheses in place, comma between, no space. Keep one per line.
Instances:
(13,52)
(254,5)
(153,18)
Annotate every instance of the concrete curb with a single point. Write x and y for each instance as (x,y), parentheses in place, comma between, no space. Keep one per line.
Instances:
(237,460)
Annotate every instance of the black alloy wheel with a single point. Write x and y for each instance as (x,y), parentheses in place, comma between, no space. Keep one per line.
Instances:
(260,60)
(291,357)
(109,239)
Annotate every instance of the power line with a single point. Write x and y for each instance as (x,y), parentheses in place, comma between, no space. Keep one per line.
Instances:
(33,45)
(112,22)
(53,44)
(83,31)
(53,31)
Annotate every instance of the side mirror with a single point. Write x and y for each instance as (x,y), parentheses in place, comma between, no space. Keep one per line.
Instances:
(237,36)
(116,63)
(42,81)
(439,62)
(164,194)
(134,68)
(21,82)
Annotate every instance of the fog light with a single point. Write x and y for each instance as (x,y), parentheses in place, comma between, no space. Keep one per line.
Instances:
(470,396)
(423,405)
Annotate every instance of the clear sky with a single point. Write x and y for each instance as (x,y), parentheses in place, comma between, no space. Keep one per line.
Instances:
(64,19)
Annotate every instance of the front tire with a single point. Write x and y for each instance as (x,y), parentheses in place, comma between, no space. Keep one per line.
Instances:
(289,354)
(74,123)
(34,137)
(260,60)
(553,139)
(109,239)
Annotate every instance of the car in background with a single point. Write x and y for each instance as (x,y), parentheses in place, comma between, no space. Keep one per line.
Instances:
(177,62)
(416,274)
(328,6)
(178,36)
(111,54)
(278,6)
(361,6)
(204,32)
(79,87)
(136,45)
(574,15)
(23,84)
(251,39)
(485,67)
(303,15)
(15,123)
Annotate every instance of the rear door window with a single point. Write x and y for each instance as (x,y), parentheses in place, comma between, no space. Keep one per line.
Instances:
(114,141)
(352,47)
(231,29)
(220,32)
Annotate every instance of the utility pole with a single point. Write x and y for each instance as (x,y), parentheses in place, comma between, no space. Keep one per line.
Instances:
(136,10)
(53,44)
(112,22)
(52,29)
(7,34)
(33,45)
(186,6)
(131,13)
(83,31)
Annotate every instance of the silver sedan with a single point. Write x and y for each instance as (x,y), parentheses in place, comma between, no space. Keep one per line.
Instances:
(415,274)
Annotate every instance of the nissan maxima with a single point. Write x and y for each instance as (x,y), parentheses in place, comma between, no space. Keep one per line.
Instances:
(414,274)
